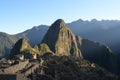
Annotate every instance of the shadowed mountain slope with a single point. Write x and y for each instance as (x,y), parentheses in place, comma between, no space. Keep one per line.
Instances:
(98,53)
(6,43)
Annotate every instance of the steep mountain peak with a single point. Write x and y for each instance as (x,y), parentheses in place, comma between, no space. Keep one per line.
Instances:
(61,40)
(22,40)
(59,21)
(58,24)
(23,43)
(19,46)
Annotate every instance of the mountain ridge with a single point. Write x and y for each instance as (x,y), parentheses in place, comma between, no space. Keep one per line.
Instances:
(80,29)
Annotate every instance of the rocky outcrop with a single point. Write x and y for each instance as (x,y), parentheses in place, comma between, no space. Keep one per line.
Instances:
(61,40)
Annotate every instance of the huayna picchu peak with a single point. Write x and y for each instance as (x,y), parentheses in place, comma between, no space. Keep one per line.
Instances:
(61,40)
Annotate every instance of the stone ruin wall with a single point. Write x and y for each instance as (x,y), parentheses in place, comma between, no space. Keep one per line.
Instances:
(31,70)
(15,68)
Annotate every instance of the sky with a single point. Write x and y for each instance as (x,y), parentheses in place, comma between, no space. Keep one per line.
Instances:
(19,15)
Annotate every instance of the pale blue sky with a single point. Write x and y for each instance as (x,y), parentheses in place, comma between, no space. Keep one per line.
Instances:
(19,15)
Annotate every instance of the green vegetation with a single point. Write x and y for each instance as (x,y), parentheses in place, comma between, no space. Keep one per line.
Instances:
(43,48)
(83,63)
(29,49)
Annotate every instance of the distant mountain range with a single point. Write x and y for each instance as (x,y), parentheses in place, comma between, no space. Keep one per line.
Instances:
(34,35)
(105,31)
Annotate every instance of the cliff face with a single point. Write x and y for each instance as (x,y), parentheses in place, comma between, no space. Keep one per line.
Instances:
(61,40)
(97,53)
